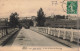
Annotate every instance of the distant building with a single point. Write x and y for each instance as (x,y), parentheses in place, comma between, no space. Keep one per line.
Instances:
(3,22)
(61,23)
(72,17)
(34,21)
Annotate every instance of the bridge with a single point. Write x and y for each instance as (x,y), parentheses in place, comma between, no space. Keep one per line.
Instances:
(39,36)
(27,37)
(42,36)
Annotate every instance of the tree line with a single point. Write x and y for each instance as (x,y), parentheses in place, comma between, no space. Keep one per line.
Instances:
(40,19)
(14,19)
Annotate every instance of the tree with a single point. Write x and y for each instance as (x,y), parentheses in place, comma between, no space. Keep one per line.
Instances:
(14,19)
(31,23)
(40,17)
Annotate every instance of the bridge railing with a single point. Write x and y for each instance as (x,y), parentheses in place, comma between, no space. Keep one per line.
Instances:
(67,34)
(6,31)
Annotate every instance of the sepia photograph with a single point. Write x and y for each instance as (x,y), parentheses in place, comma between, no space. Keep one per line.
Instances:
(39,25)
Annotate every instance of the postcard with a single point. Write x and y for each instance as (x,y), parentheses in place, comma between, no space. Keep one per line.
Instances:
(39,25)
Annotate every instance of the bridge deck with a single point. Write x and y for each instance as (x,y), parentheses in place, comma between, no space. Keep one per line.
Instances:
(26,37)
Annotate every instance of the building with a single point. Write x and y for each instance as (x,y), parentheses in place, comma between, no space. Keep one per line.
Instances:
(61,23)
(3,22)
(34,21)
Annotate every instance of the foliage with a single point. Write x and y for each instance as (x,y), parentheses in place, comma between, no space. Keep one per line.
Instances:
(31,23)
(40,17)
(14,19)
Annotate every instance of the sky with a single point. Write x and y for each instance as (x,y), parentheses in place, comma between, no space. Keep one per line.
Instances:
(30,7)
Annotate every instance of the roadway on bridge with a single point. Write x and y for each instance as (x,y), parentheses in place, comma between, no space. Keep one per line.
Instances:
(27,37)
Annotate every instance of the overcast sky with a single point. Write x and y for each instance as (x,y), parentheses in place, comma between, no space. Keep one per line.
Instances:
(29,7)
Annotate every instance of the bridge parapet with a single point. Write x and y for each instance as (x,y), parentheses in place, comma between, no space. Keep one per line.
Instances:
(6,33)
(67,34)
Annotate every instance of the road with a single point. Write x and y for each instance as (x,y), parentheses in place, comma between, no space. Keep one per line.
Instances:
(27,37)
